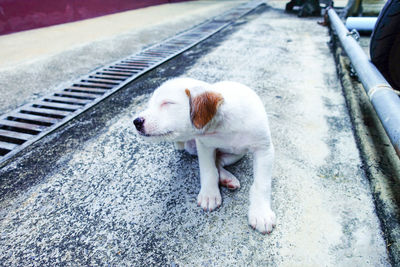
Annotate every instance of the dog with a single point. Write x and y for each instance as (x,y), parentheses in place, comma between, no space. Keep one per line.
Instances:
(219,122)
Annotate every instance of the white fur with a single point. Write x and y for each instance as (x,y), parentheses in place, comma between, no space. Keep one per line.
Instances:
(239,126)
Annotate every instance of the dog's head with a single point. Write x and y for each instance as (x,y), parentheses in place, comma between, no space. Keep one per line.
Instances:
(177,111)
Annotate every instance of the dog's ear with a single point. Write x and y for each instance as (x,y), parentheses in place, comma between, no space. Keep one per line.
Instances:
(203,107)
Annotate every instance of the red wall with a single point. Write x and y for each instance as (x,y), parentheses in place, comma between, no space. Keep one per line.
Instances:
(19,15)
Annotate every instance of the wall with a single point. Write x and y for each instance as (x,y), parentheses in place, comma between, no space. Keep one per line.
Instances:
(19,15)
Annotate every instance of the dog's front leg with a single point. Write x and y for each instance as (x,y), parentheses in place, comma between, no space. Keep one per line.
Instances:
(261,216)
(209,197)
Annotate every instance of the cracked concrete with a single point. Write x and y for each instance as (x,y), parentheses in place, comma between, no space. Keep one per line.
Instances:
(95,194)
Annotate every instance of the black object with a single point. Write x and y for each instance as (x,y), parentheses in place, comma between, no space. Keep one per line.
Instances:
(385,43)
(306,7)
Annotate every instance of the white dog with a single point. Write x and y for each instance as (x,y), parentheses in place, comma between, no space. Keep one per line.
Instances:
(220,122)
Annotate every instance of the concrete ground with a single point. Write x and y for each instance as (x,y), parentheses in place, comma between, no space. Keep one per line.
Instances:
(93,193)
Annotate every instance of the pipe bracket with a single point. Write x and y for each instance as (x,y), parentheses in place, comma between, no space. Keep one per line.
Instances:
(379,87)
(355,34)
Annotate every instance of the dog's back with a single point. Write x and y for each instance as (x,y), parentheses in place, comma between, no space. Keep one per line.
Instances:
(242,109)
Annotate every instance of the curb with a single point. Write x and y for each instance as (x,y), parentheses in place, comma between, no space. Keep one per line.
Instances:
(379,158)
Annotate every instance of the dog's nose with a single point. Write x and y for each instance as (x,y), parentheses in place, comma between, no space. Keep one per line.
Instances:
(139,123)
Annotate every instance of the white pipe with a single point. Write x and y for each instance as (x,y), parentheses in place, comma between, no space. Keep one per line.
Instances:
(366,24)
(382,96)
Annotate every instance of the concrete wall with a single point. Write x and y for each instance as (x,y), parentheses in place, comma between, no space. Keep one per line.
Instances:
(19,15)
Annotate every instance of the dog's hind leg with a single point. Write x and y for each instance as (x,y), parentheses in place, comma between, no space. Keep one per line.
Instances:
(226,178)
(190,147)
(179,145)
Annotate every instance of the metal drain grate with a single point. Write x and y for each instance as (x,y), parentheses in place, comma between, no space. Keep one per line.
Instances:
(29,123)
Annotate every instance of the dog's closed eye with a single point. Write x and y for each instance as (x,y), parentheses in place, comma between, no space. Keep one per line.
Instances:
(166,103)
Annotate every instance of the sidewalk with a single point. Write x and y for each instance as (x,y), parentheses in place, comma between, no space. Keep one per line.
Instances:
(34,63)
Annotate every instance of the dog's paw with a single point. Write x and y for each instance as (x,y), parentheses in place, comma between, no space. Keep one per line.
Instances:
(228,180)
(263,220)
(209,200)
(231,184)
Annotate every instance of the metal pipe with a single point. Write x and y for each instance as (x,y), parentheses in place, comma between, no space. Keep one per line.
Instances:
(364,24)
(382,96)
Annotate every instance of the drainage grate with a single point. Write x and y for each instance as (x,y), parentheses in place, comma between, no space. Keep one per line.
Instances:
(29,123)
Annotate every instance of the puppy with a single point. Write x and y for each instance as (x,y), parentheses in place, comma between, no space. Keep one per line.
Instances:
(220,123)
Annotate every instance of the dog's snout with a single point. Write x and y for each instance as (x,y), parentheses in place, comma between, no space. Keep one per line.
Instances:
(139,123)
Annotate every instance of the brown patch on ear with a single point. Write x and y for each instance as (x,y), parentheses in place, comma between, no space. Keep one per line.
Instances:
(187,93)
(203,107)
